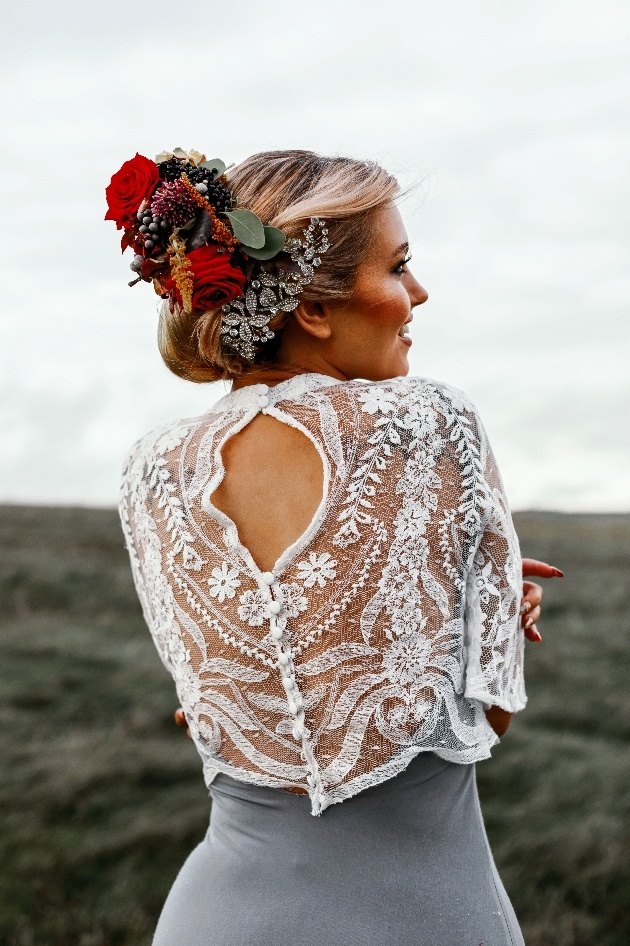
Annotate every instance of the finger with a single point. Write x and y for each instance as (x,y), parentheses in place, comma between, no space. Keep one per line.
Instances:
(180,718)
(532,596)
(533,568)
(532,634)
(531,618)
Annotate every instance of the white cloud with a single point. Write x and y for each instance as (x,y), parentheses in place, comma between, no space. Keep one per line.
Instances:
(518,111)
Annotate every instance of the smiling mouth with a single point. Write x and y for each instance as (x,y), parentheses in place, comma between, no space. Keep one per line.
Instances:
(404,329)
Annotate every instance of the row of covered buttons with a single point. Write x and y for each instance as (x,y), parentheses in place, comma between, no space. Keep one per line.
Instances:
(294,697)
(274,606)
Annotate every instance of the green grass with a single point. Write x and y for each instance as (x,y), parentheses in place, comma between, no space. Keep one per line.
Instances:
(102,796)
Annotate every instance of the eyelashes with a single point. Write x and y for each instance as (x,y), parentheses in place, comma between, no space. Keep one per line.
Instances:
(399,268)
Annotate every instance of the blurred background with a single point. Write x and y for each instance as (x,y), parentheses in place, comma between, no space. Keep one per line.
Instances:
(513,121)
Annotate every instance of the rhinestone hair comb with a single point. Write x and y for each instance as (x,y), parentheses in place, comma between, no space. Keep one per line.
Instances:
(245,321)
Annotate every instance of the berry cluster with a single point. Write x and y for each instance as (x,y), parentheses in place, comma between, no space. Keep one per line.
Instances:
(152,230)
(197,175)
(215,193)
(204,181)
(171,170)
(219,196)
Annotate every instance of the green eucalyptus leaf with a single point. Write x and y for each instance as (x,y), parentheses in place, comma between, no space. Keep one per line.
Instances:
(274,241)
(247,228)
(216,165)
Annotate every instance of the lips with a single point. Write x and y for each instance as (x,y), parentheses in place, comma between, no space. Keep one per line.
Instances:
(404,329)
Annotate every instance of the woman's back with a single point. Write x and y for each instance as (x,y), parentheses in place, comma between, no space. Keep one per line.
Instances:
(272,486)
(364,611)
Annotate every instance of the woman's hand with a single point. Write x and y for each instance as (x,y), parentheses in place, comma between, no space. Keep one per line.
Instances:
(499,718)
(532,595)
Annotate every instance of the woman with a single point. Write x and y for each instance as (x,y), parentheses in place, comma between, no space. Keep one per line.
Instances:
(326,561)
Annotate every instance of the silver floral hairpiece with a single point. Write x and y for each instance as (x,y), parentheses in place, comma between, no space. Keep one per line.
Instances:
(245,321)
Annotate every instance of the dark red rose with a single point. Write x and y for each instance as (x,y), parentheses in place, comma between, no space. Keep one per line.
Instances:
(217,279)
(135,182)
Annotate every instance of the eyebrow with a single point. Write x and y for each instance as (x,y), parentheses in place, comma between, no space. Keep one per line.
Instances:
(400,249)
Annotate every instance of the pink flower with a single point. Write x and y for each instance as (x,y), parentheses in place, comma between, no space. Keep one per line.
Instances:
(173,203)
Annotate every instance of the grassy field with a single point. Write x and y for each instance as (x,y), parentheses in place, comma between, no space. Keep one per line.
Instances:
(102,797)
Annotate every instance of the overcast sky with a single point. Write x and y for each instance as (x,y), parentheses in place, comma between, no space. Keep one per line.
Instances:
(513,114)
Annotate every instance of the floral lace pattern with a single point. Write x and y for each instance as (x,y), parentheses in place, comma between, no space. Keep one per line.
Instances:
(385,631)
(319,569)
(223,582)
(253,607)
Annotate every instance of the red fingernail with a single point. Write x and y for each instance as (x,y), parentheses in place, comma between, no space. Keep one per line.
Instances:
(537,637)
(557,573)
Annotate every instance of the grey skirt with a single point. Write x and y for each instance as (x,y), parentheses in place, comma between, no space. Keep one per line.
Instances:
(404,863)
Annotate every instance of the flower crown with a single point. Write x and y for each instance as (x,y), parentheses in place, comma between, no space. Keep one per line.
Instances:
(203,251)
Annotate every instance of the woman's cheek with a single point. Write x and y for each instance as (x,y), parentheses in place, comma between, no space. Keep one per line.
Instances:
(395,310)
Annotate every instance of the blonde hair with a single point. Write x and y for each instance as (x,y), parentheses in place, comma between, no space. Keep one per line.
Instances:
(285,189)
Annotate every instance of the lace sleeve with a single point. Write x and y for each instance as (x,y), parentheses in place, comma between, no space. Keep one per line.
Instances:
(494,639)
(144,548)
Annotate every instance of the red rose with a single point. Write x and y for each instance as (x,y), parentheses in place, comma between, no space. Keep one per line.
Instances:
(217,279)
(135,182)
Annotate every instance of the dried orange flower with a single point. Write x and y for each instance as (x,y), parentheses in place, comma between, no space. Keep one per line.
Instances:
(181,270)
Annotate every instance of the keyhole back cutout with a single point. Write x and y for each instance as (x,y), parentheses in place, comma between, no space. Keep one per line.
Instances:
(272,487)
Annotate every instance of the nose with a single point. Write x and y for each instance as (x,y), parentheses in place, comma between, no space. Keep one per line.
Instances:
(417,294)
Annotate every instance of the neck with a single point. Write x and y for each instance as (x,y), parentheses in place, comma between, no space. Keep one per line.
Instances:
(272,375)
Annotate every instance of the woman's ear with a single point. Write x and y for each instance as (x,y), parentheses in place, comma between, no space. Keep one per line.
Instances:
(313,317)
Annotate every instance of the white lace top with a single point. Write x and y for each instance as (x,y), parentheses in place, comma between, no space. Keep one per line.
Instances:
(384,631)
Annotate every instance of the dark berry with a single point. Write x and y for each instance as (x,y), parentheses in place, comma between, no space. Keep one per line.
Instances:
(198,175)
(219,196)
(171,170)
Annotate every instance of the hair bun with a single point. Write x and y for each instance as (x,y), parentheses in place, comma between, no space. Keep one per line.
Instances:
(197,234)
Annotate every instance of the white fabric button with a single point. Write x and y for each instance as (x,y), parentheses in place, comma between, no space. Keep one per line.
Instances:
(263,388)
(284,659)
(275,607)
(287,683)
(292,707)
(263,401)
(276,633)
(268,578)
